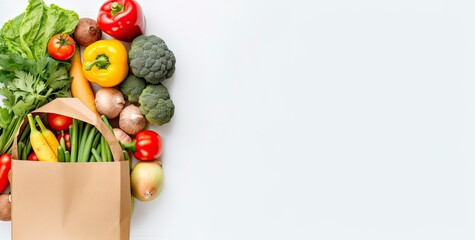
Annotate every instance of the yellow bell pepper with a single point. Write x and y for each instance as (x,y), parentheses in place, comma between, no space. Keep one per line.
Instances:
(105,63)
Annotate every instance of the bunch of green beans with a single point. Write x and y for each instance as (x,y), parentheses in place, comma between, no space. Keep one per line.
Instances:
(87,144)
(24,145)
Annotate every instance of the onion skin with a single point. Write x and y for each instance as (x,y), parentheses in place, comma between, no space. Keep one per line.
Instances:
(109,102)
(131,120)
(146,180)
(121,136)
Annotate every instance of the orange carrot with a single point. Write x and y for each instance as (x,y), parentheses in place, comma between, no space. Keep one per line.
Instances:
(80,86)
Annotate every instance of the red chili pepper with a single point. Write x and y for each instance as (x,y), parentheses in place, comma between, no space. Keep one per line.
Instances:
(147,145)
(5,166)
(121,19)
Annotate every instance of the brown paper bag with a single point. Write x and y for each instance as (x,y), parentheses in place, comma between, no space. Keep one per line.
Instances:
(71,201)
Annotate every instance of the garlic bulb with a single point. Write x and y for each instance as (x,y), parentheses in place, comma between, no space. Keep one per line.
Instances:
(131,120)
(109,102)
(122,136)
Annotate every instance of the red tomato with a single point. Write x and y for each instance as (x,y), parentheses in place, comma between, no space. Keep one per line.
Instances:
(32,157)
(5,166)
(66,139)
(61,47)
(59,122)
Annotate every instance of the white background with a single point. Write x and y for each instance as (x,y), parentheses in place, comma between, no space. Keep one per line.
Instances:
(312,119)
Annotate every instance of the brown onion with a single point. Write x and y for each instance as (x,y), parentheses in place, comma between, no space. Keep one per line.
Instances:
(146,180)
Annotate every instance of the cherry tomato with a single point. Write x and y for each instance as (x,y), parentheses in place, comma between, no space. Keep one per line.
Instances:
(59,122)
(66,139)
(61,47)
(32,157)
(5,166)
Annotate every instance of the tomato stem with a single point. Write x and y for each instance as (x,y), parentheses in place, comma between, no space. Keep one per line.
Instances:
(63,41)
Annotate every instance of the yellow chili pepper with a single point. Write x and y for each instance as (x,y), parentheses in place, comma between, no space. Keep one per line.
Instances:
(105,63)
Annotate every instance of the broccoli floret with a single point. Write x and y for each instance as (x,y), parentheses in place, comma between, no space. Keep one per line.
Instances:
(150,58)
(156,105)
(132,87)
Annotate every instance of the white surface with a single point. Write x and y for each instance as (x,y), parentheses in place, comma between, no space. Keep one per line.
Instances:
(313,119)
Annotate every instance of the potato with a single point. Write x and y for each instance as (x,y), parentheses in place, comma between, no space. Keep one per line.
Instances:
(5,208)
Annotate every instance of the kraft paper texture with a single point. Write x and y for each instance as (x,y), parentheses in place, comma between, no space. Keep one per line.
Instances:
(71,201)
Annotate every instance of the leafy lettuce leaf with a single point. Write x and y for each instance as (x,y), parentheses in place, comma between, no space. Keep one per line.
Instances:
(28,34)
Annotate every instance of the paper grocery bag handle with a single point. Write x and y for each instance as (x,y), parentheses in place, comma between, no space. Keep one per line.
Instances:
(74,108)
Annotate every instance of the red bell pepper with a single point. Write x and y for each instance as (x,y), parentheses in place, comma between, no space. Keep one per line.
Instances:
(121,19)
(147,145)
(5,166)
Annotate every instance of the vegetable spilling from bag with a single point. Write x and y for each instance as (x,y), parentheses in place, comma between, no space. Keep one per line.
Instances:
(40,61)
(87,144)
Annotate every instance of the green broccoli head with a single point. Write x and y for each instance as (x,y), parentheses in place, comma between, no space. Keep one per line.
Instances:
(132,87)
(156,105)
(150,58)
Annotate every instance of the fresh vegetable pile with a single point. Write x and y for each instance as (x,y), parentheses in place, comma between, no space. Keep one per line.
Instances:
(40,60)
(81,143)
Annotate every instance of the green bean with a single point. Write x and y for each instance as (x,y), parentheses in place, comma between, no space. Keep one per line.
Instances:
(126,155)
(67,156)
(92,158)
(104,119)
(109,153)
(107,147)
(88,144)
(70,129)
(96,139)
(24,134)
(96,155)
(82,142)
(62,142)
(22,153)
(27,149)
(99,149)
(127,158)
(80,131)
(60,154)
(74,140)
(19,149)
(103,149)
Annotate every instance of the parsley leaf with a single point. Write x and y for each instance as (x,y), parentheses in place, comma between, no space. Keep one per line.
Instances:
(31,84)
